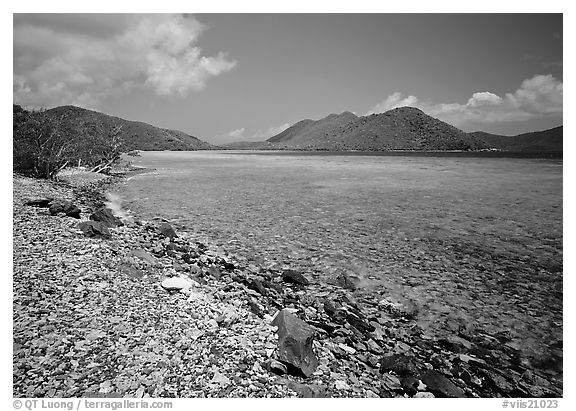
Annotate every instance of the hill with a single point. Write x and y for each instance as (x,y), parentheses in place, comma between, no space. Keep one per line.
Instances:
(307,131)
(136,135)
(404,128)
(537,141)
(248,145)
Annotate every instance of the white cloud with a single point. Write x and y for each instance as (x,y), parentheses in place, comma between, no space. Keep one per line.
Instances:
(484,98)
(394,100)
(538,96)
(270,132)
(239,134)
(160,52)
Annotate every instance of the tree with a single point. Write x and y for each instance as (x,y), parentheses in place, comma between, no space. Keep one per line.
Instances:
(44,143)
(40,144)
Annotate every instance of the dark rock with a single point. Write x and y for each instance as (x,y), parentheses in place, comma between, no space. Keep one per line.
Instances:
(181,248)
(94,229)
(143,256)
(66,207)
(391,383)
(190,258)
(372,361)
(451,345)
(158,251)
(363,326)
(335,311)
(171,253)
(329,328)
(295,339)
(228,266)
(441,386)
(276,367)
(215,272)
(294,277)
(348,282)
(307,391)
(42,203)
(462,373)
(130,271)
(410,385)
(497,381)
(105,216)
(402,365)
(256,309)
(385,393)
(481,352)
(256,285)
(166,230)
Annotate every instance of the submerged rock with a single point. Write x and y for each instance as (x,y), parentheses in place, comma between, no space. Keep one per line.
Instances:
(144,256)
(295,339)
(348,282)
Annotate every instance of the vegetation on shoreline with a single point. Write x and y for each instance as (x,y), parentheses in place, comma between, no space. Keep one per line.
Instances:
(44,144)
(47,141)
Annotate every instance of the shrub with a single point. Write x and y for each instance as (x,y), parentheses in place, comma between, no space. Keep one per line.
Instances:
(45,143)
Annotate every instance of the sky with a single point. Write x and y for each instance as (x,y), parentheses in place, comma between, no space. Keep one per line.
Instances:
(246,77)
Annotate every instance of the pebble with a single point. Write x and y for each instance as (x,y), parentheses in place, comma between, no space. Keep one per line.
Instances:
(176,284)
(178,323)
(424,394)
(341,385)
(212,323)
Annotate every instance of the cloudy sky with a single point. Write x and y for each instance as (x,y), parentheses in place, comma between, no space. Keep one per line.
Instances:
(246,77)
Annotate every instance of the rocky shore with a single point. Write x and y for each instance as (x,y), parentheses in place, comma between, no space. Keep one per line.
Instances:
(133,308)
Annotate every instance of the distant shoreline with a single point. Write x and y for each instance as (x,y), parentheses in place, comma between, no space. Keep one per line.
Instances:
(407,153)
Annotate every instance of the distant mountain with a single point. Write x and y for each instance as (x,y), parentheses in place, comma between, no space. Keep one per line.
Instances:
(307,131)
(136,135)
(404,128)
(248,145)
(538,141)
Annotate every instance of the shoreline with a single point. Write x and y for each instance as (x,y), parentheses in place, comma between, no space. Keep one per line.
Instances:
(363,346)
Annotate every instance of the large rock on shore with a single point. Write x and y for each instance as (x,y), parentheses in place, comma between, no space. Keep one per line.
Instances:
(66,207)
(105,216)
(94,229)
(441,386)
(166,230)
(295,339)
(39,202)
(403,365)
(294,277)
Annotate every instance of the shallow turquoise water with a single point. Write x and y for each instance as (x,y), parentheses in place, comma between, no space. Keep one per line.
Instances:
(474,240)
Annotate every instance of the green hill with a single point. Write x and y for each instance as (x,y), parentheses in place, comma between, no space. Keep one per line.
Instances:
(136,135)
(404,128)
